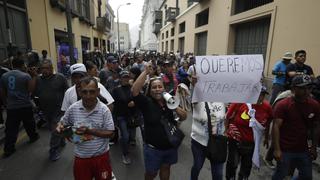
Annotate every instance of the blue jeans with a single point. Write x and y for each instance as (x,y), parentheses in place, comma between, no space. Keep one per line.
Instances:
(301,161)
(125,134)
(199,156)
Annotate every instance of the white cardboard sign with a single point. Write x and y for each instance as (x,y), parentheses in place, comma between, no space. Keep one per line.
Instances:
(234,78)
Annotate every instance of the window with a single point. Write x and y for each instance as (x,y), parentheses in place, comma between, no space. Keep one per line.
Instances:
(172,45)
(167,46)
(121,37)
(201,43)
(167,34)
(172,31)
(85,10)
(182,27)
(75,6)
(95,42)
(202,18)
(190,3)
(162,35)
(162,46)
(252,37)
(181,45)
(245,5)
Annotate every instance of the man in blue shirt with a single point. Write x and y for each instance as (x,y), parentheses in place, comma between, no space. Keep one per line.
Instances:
(279,70)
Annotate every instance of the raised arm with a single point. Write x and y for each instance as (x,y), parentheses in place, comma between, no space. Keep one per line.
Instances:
(138,84)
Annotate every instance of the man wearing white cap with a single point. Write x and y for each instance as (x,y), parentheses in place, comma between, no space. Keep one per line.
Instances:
(280,72)
(78,71)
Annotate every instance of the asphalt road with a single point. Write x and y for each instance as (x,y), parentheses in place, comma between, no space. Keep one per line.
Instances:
(30,162)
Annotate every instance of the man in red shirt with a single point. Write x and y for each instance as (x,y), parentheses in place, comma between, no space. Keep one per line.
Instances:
(240,134)
(296,130)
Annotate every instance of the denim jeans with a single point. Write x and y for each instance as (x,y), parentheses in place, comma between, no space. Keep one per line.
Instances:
(301,161)
(125,134)
(199,156)
(276,90)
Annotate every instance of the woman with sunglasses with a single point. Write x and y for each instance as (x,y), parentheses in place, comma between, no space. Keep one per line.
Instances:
(159,154)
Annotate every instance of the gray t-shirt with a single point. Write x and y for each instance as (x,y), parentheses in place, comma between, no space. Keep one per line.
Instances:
(15,83)
(51,92)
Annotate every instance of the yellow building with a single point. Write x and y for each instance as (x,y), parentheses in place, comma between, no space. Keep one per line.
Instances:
(268,27)
(48,25)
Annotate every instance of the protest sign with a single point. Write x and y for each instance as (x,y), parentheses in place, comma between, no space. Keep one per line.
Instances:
(227,79)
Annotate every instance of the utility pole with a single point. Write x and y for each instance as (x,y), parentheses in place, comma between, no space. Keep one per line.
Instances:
(69,29)
(9,48)
(118,26)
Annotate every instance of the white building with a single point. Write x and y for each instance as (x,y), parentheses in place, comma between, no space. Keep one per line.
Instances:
(112,33)
(124,37)
(148,40)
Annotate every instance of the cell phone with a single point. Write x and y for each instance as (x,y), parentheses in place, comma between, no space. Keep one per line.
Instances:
(67,132)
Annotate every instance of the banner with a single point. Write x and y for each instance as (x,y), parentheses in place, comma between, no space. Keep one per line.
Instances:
(227,79)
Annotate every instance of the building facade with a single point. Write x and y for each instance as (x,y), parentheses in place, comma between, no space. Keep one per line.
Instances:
(268,27)
(48,26)
(14,28)
(124,37)
(148,39)
(112,34)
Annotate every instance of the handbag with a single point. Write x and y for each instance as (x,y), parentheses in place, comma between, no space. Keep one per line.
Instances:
(174,134)
(217,144)
(135,120)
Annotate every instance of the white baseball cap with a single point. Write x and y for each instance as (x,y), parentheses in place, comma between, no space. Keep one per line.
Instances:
(78,68)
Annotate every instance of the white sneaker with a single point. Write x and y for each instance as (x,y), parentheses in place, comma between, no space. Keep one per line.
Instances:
(113,177)
(1,126)
(269,163)
(126,160)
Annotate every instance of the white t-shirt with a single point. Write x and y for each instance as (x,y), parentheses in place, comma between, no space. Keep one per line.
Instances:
(70,96)
(199,129)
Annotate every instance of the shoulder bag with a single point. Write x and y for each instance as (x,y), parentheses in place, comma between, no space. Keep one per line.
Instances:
(174,134)
(217,144)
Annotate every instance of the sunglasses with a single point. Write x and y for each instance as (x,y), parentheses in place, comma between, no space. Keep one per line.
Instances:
(85,91)
(155,78)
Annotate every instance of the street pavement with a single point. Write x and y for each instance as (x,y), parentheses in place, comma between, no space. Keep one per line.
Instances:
(30,162)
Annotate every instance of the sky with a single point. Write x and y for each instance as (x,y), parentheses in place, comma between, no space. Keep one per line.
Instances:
(130,14)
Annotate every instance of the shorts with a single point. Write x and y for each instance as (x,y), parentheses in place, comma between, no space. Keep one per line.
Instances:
(154,158)
(98,167)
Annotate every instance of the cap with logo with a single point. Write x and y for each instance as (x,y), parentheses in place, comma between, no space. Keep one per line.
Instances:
(78,68)
(287,56)
(124,74)
(301,80)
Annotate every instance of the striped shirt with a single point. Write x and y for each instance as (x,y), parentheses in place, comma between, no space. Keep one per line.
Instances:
(99,118)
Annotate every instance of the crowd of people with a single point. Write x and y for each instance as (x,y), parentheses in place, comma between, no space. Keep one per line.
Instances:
(93,108)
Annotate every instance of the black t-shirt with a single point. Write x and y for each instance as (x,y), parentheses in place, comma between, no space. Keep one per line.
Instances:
(51,92)
(155,134)
(121,96)
(305,69)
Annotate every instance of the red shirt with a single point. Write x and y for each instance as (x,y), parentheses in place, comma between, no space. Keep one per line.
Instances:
(239,125)
(296,117)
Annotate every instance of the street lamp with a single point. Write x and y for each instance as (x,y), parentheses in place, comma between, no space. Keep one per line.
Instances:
(118,25)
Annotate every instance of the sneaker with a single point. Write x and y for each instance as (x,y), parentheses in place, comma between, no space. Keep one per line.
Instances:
(34,139)
(2,126)
(126,160)
(113,177)
(54,155)
(269,163)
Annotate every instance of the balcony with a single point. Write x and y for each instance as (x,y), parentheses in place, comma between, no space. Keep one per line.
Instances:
(171,14)
(60,4)
(101,24)
(156,28)
(157,21)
